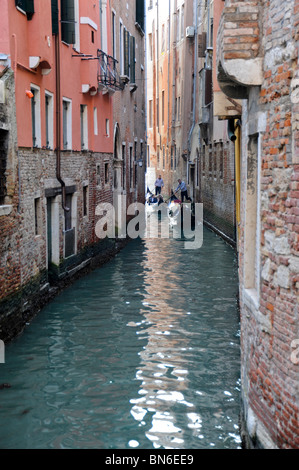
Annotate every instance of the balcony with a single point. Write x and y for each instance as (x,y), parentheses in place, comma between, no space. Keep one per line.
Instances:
(239,51)
(108,77)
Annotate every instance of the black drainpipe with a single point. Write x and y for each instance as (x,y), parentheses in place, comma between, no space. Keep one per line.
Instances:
(58,119)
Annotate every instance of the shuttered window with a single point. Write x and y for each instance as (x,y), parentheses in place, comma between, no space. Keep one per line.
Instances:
(68,21)
(127,53)
(132,59)
(54,8)
(140,13)
(27,6)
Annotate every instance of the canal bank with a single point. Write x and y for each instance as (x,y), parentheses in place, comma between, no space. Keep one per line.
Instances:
(18,309)
(141,353)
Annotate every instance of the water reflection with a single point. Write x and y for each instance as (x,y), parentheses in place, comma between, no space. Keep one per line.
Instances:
(142,353)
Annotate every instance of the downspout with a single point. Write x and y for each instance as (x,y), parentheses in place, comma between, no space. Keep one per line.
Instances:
(15,60)
(169,37)
(58,119)
(194,78)
(158,64)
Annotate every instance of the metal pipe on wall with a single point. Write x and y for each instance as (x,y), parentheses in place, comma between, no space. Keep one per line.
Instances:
(58,119)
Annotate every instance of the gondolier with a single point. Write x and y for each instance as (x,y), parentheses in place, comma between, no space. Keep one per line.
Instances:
(159,184)
(183,188)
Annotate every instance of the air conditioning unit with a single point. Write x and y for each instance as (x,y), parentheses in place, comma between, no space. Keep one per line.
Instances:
(190,32)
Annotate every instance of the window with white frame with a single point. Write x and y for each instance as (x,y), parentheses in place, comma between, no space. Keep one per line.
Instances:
(35,116)
(95,121)
(121,48)
(49,116)
(67,123)
(84,126)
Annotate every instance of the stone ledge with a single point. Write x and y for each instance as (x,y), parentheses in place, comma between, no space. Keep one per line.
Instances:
(5,210)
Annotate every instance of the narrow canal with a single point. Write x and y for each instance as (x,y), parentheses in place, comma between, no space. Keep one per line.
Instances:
(142,353)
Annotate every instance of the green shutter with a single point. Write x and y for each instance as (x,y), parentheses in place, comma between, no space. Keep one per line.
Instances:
(127,53)
(27,6)
(54,7)
(68,21)
(132,59)
(140,13)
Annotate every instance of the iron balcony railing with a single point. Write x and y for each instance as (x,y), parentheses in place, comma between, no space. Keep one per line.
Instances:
(107,72)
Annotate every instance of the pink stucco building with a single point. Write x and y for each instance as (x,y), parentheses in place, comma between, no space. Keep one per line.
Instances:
(59,78)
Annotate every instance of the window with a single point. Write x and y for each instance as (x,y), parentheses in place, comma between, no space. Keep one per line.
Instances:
(27,6)
(106,175)
(150,106)
(95,121)
(35,116)
(49,120)
(69,234)
(140,13)
(182,20)
(98,174)
(85,200)
(124,165)
(3,163)
(54,9)
(67,124)
(150,46)
(113,35)
(68,34)
(107,128)
(132,59)
(37,215)
(131,166)
(126,53)
(84,126)
(163,39)
(163,104)
(121,49)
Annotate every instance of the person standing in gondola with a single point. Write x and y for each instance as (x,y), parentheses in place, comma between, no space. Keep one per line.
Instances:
(159,184)
(183,188)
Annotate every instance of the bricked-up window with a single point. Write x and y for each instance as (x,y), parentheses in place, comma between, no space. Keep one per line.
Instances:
(140,14)
(68,33)
(27,6)
(3,163)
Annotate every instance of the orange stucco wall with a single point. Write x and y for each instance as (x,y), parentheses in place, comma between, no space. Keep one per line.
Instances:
(34,38)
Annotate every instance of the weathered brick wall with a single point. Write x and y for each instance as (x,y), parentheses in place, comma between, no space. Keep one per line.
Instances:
(217,186)
(269,324)
(240,29)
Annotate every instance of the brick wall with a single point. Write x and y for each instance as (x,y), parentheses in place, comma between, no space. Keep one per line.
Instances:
(269,309)
(217,186)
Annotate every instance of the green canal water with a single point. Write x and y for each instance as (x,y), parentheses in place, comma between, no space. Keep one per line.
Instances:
(142,353)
